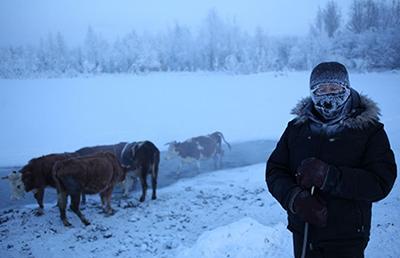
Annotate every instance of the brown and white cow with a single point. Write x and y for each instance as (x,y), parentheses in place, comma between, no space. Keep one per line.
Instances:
(97,173)
(199,148)
(35,177)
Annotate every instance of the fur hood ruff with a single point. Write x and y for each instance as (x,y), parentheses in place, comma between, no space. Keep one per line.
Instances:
(364,111)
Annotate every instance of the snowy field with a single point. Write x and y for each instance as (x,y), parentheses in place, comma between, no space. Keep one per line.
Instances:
(57,115)
(227,213)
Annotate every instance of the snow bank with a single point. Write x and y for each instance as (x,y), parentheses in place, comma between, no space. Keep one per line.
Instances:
(159,228)
(226,212)
(244,238)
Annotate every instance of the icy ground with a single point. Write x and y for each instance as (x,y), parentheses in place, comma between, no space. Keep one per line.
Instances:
(226,213)
(162,228)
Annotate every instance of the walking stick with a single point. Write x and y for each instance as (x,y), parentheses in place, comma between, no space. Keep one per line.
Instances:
(303,252)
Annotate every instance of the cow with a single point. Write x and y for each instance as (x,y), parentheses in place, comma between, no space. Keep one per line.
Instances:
(140,158)
(97,173)
(116,149)
(198,148)
(144,158)
(35,177)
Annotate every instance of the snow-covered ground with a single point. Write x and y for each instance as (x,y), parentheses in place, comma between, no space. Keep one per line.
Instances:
(166,227)
(227,213)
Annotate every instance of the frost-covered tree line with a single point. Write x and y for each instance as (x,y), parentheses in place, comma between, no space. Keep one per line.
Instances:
(365,38)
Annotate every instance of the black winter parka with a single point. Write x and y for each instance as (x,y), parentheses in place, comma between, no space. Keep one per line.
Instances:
(362,168)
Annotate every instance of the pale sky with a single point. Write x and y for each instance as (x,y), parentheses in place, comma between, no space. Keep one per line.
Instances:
(26,21)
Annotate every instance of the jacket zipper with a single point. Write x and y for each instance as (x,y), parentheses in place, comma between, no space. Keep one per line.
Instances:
(320,141)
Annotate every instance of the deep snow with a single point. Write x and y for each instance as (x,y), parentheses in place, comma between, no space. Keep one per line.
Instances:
(227,213)
(161,228)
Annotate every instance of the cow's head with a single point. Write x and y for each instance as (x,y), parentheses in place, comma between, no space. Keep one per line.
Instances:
(133,159)
(16,185)
(28,178)
(171,153)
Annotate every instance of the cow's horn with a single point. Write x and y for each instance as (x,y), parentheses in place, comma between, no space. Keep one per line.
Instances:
(4,177)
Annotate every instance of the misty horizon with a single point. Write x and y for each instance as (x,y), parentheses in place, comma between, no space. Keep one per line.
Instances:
(25,23)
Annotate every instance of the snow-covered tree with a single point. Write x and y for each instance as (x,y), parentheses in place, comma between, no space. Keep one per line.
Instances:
(331,18)
(370,40)
(95,52)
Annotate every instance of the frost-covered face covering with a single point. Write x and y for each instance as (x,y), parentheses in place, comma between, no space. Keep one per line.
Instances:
(329,99)
(330,89)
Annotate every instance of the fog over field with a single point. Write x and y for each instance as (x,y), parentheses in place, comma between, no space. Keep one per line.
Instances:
(76,73)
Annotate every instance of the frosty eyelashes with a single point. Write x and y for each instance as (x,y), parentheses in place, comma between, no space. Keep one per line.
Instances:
(325,89)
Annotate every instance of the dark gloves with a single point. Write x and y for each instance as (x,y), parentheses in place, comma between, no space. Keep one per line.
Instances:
(310,208)
(312,172)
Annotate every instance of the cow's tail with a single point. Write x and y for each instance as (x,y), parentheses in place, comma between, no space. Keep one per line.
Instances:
(223,138)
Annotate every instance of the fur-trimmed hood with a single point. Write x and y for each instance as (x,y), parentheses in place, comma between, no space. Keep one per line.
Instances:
(364,111)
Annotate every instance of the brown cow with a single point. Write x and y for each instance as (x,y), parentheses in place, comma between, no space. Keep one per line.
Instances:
(93,174)
(35,177)
(199,148)
(139,158)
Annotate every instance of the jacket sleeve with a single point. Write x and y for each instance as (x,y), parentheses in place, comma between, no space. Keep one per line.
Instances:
(280,180)
(373,180)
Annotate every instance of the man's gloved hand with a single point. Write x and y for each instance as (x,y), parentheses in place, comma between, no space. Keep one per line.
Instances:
(311,209)
(312,172)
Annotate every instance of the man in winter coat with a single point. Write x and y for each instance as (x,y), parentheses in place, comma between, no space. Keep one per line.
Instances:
(337,146)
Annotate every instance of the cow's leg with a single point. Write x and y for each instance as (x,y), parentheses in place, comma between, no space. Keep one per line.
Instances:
(39,198)
(218,161)
(103,201)
(127,183)
(179,170)
(75,202)
(143,182)
(62,205)
(220,156)
(215,158)
(106,200)
(83,199)
(154,175)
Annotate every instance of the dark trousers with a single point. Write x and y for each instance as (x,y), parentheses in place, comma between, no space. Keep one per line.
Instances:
(353,248)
